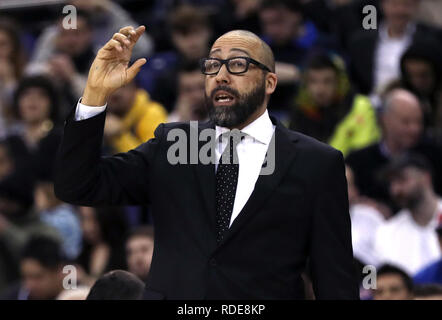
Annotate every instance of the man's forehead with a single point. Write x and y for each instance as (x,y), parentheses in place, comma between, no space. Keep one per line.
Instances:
(232,43)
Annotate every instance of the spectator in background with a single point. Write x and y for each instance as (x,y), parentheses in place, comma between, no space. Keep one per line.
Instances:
(108,17)
(66,54)
(18,222)
(67,59)
(408,239)
(59,215)
(432,273)
(421,73)
(139,250)
(329,110)
(104,232)
(291,37)
(375,54)
(34,140)
(117,285)
(392,284)
(338,17)
(238,15)
(401,121)
(12,62)
(41,266)
(190,32)
(365,221)
(190,104)
(132,118)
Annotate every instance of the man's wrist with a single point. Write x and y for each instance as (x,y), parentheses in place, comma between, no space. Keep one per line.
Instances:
(94,98)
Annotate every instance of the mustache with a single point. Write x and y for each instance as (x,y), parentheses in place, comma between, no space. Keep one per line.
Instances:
(227,89)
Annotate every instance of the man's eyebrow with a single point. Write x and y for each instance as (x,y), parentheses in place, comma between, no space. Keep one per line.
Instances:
(240,50)
(214,51)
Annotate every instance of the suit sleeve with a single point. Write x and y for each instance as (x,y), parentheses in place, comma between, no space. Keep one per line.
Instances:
(331,254)
(84,177)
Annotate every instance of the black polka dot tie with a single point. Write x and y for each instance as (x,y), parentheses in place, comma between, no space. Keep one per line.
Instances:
(226,182)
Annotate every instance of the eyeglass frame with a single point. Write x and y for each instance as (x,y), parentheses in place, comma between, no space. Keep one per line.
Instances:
(225,62)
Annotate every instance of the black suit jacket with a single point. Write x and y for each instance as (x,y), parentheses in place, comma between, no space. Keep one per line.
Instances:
(298,213)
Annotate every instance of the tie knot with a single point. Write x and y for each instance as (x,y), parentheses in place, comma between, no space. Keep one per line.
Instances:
(230,155)
(234,136)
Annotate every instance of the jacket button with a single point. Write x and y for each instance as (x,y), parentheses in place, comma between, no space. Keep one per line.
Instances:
(213,262)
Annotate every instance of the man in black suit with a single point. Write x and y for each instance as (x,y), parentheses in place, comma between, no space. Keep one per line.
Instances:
(222,230)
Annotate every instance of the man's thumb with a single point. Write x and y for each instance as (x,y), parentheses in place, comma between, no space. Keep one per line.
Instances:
(134,69)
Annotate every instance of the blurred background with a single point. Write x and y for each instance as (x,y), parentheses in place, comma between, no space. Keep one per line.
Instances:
(373,93)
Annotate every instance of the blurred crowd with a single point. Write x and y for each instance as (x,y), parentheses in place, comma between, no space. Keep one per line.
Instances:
(374,93)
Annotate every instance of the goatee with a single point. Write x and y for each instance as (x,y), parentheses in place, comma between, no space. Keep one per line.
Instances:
(238,113)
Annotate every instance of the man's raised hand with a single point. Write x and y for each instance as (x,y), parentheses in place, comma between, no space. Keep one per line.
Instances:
(110,69)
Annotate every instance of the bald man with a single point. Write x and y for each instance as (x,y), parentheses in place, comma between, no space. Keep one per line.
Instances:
(401,121)
(246,224)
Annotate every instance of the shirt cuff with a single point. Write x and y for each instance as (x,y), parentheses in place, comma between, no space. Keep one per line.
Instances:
(84,112)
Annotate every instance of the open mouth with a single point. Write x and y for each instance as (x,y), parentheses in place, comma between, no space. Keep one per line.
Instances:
(223,97)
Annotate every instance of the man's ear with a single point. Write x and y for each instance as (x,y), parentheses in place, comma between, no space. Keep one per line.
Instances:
(271,82)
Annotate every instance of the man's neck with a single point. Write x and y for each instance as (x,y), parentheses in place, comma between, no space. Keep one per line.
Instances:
(395,32)
(34,126)
(35,130)
(393,149)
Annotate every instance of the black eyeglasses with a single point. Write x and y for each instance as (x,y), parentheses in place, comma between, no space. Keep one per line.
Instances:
(235,65)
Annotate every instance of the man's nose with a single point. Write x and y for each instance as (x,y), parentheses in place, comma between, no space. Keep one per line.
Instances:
(223,75)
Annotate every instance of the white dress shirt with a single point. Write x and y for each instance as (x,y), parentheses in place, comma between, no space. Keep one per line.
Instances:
(251,151)
(251,154)
(388,54)
(365,220)
(84,112)
(402,242)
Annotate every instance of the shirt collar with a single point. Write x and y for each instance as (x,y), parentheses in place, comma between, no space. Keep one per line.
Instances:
(261,129)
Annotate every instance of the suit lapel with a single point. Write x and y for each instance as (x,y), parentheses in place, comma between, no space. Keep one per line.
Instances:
(284,154)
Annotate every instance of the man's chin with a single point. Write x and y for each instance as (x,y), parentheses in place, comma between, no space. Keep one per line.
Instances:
(223,116)
(404,203)
(224,122)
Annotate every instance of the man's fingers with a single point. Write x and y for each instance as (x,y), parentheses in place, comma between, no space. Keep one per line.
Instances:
(132,34)
(113,44)
(126,30)
(133,70)
(122,39)
(138,32)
